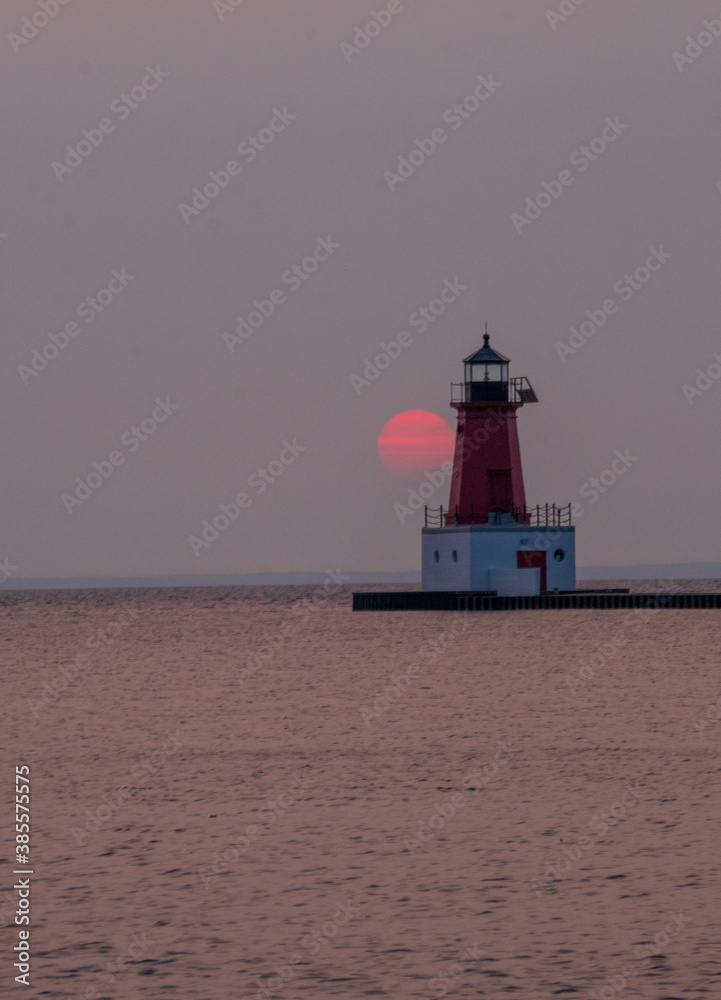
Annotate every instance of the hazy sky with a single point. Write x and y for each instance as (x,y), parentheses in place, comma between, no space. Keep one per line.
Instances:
(331,120)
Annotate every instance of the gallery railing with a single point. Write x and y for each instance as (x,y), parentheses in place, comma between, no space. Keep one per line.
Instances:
(515,390)
(540,516)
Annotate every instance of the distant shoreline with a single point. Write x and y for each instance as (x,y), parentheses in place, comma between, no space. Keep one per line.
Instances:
(676,571)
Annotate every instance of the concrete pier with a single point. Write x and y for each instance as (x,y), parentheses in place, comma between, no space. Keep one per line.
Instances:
(418,600)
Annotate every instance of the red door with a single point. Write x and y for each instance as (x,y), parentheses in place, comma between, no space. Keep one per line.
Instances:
(533,560)
(499,488)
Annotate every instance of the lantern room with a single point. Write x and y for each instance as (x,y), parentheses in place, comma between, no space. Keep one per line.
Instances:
(486,375)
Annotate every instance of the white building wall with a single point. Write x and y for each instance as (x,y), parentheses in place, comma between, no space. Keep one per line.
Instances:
(561,574)
(515,582)
(445,572)
(481,548)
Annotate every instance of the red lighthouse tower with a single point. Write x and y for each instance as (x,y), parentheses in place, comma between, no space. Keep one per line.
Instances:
(487,475)
(488,539)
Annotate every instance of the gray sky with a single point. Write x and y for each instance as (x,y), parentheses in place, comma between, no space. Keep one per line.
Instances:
(339,121)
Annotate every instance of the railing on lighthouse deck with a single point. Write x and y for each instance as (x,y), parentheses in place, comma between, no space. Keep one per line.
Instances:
(515,390)
(540,516)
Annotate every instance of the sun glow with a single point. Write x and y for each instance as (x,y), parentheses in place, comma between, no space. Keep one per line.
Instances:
(415,441)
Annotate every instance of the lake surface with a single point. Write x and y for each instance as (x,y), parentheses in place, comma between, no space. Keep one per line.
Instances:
(254,792)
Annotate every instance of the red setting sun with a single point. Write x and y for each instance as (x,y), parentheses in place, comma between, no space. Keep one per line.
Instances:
(415,441)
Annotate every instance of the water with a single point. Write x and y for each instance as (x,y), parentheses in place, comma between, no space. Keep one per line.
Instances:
(206,822)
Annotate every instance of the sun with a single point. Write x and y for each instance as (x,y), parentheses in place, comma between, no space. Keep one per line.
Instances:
(415,441)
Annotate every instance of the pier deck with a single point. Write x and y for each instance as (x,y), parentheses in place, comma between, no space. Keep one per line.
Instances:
(420,600)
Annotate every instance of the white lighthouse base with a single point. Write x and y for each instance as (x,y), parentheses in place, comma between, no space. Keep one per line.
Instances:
(503,557)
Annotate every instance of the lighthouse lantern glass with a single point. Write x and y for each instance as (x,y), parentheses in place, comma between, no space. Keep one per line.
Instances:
(486,375)
(488,371)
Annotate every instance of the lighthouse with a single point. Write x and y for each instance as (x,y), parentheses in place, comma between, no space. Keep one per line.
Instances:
(488,538)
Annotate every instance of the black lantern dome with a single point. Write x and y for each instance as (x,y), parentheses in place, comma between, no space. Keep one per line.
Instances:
(486,375)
